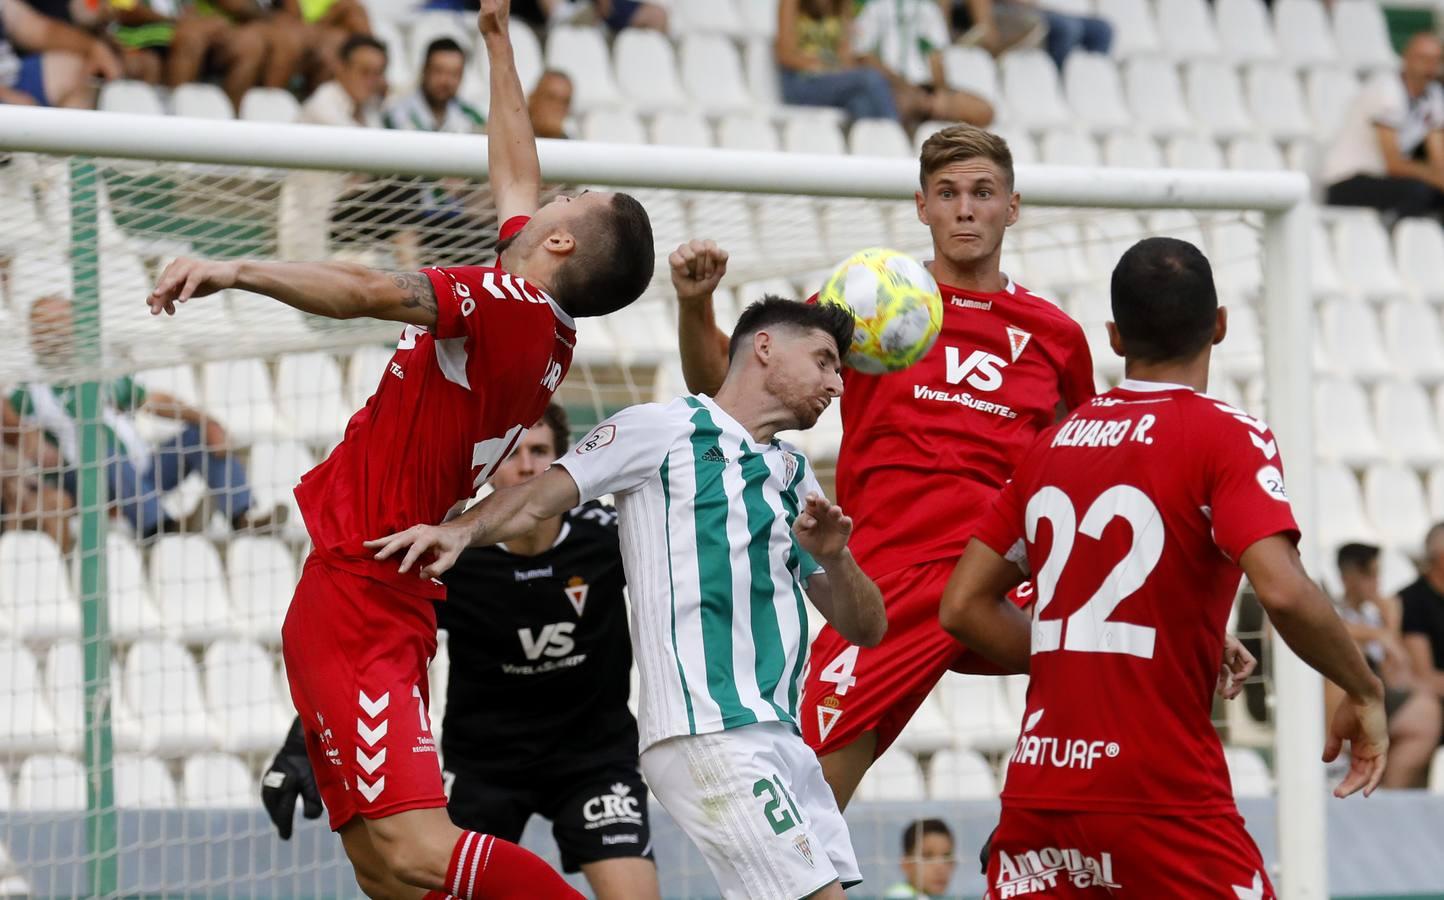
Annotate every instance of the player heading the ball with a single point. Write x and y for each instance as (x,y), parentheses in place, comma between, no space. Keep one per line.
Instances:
(483,350)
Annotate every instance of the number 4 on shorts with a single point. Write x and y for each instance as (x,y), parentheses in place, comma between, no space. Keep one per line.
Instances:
(839,671)
(780,819)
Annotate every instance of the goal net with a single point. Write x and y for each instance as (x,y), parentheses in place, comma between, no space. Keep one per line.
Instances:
(141,691)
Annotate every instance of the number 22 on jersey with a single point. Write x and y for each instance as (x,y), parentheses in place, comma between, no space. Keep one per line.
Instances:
(1089,628)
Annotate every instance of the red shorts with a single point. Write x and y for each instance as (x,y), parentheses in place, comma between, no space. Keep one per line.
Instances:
(851,690)
(356,656)
(1047,853)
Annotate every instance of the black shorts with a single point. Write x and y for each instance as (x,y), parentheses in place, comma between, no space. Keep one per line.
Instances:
(596,815)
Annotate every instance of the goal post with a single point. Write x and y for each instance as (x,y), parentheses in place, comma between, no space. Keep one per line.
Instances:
(224,165)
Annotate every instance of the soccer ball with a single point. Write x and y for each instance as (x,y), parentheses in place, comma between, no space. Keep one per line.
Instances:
(896,305)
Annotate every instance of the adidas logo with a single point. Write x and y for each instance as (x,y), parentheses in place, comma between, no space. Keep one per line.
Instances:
(715,454)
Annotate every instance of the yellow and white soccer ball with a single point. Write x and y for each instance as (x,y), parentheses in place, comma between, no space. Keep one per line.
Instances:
(896,305)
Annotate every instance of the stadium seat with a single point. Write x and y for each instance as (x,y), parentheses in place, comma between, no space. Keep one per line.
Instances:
(1434,489)
(1352,341)
(1106,235)
(681,129)
(644,331)
(1155,95)
(1276,101)
(1032,92)
(1131,151)
(1245,32)
(981,715)
(1066,147)
(879,137)
(972,69)
(1242,354)
(1193,152)
(364,372)
(1362,35)
(1340,517)
(7,803)
(1216,99)
(712,74)
(51,783)
(18,209)
(1403,413)
(1366,261)
(1345,432)
(1395,503)
(178,381)
(269,105)
(1051,258)
(36,601)
(646,70)
(759,61)
(851,224)
(747,132)
(217,781)
(928,730)
(731,221)
(613,126)
(1186,27)
(1254,154)
(238,393)
(1304,35)
(1331,90)
(759,18)
(241,696)
(1134,31)
(400,65)
(1020,143)
(1419,252)
(1436,772)
(134,97)
(1237,256)
(960,775)
(1177,223)
(706,17)
(580,52)
(276,469)
(261,576)
(789,230)
(1412,341)
(189,589)
(308,387)
(34,274)
(133,614)
(1095,93)
(894,776)
(429,25)
(163,689)
(142,782)
(810,136)
(1248,772)
(27,724)
(1324,280)
(201,101)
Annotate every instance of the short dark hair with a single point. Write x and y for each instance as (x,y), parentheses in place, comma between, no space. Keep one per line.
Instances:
(1164,301)
(1357,556)
(556,419)
(612,262)
(916,831)
(356,42)
(771,310)
(441,45)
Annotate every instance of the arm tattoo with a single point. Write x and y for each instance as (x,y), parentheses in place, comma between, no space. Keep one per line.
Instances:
(416,290)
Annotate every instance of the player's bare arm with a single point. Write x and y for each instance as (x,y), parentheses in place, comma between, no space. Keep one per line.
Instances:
(512,164)
(336,290)
(697,269)
(1308,623)
(502,516)
(976,610)
(842,592)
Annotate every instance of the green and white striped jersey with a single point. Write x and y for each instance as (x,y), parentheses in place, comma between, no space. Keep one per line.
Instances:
(715,575)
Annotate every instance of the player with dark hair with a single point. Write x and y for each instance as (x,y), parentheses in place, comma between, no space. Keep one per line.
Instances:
(483,351)
(1137,516)
(927,861)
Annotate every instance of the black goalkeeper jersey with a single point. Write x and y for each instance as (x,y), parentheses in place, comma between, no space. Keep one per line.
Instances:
(541,657)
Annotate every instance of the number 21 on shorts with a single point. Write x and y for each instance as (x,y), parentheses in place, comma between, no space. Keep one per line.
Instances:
(779,810)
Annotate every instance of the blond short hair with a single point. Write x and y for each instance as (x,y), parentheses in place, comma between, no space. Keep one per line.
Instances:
(958,143)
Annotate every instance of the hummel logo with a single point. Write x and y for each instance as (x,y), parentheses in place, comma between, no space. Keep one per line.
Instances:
(715,454)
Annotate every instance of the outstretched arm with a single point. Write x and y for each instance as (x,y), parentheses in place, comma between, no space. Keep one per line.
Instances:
(512,164)
(697,269)
(976,609)
(501,516)
(842,592)
(336,290)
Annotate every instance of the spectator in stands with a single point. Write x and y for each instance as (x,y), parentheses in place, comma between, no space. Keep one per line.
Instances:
(550,103)
(354,96)
(308,37)
(1002,25)
(617,14)
(27,500)
(818,68)
(905,39)
(1373,622)
(1423,622)
(138,473)
(434,105)
(229,37)
(144,35)
(47,62)
(1388,152)
(927,861)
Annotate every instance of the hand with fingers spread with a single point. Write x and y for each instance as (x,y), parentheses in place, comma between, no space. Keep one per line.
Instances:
(446,542)
(1238,665)
(822,528)
(697,269)
(187,278)
(1365,726)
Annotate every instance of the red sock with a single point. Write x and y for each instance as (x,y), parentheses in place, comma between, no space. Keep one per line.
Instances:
(484,867)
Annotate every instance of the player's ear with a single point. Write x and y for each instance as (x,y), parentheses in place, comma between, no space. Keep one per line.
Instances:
(921,201)
(1014,202)
(561,242)
(1115,340)
(762,345)
(1220,326)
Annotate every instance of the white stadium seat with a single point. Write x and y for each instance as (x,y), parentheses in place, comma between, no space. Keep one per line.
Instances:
(1242,354)
(981,714)
(201,101)
(747,132)
(850,224)
(269,105)
(1276,101)
(759,17)
(1132,151)
(1324,279)
(1248,772)
(178,381)
(1245,31)
(425,26)
(189,589)
(712,74)
(36,601)
(1216,99)
(1352,341)
(1419,252)
(1134,31)
(276,469)
(1436,772)
(1341,516)
(1177,223)
(135,97)
(1022,145)
(1345,432)
(681,129)
(1032,91)
(364,372)
(972,69)
(401,72)
(1094,90)
(1051,258)
(811,136)
(1193,152)
(217,781)
(581,53)
(1331,91)
(1255,154)
(961,775)
(1362,34)
(1303,31)
(1107,235)
(238,393)
(1413,342)
(50,783)
(1366,261)
(132,612)
(789,229)
(706,16)
(732,224)
(27,724)
(1066,147)
(1394,501)
(613,126)
(928,730)
(1186,27)
(163,688)
(142,782)
(894,776)
(878,137)
(1403,412)
(7,803)
(646,68)
(1237,256)
(1434,488)
(308,387)
(261,576)
(242,697)
(1155,95)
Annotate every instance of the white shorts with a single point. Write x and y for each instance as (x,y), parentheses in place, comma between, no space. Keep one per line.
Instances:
(755,803)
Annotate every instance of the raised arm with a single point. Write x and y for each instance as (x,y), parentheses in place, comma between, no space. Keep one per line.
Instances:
(501,516)
(697,268)
(336,290)
(842,592)
(512,164)
(976,610)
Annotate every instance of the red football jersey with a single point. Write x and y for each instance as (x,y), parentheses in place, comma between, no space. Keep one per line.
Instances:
(452,402)
(1131,516)
(926,449)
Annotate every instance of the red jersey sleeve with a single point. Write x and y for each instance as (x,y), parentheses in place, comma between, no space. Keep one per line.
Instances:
(1076,376)
(1246,497)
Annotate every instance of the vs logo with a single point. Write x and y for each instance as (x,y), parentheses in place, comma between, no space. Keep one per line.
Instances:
(982,370)
(555,640)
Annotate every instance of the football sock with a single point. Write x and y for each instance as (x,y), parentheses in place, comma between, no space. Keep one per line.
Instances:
(484,867)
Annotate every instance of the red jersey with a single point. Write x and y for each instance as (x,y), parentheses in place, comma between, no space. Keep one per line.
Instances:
(1131,516)
(451,404)
(926,449)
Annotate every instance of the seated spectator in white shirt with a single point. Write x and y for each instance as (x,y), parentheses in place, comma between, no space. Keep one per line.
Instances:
(434,105)
(905,39)
(1388,153)
(354,96)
